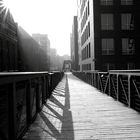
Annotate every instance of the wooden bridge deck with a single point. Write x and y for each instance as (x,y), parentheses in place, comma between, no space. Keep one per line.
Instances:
(78,111)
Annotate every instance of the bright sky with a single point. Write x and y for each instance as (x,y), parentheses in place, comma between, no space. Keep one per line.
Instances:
(52,17)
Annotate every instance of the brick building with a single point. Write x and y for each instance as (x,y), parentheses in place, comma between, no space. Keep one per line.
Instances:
(108,34)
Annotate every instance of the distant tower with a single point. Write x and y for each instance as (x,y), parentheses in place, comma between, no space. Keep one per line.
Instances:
(44,43)
(74,45)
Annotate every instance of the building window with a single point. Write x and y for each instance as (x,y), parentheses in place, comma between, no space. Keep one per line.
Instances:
(106,2)
(108,66)
(126,2)
(86,67)
(128,46)
(107,46)
(127,22)
(86,52)
(130,66)
(89,66)
(86,34)
(107,22)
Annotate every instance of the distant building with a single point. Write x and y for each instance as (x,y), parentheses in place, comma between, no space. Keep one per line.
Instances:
(8,42)
(31,55)
(56,61)
(65,57)
(61,61)
(86,35)
(74,45)
(67,65)
(53,60)
(44,42)
(109,34)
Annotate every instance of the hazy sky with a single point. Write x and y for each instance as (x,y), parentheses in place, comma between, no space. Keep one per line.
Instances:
(52,17)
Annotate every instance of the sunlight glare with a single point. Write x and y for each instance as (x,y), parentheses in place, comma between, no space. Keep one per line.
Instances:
(3,8)
(52,17)
(10,4)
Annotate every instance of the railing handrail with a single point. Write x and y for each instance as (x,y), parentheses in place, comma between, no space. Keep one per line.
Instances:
(121,72)
(126,72)
(21,73)
(23,94)
(122,85)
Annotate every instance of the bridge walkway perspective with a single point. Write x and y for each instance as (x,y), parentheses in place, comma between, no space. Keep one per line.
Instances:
(78,111)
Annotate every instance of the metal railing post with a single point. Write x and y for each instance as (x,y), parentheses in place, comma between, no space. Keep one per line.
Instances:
(94,84)
(12,111)
(130,92)
(47,86)
(91,79)
(50,84)
(44,90)
(28,103)
(118,87)
(37,96)
(109,86)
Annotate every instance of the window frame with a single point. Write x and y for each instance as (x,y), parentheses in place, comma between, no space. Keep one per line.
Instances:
(126,23)
(106,2)
(127,2)
(126,49)
(107,21)
(104,46)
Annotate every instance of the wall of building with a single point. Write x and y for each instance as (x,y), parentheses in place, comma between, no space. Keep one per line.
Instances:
(114,49)
(44,43)
(8,42)
(86,35)
(32,57)
(110,28)
(74,45)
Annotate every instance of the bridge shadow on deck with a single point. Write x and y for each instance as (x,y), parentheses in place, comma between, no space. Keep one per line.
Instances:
(56,117)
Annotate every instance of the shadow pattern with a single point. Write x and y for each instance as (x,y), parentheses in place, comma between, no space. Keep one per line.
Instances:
(66,131)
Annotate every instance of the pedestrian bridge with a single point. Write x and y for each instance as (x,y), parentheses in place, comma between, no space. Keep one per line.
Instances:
(40,106)
(79,111)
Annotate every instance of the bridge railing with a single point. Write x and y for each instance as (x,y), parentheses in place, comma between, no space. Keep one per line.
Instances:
(123,86)
(22,96)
